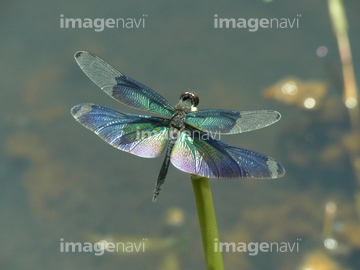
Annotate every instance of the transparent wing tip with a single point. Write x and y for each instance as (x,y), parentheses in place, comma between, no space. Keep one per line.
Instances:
(276,169)
(79,54)
(281,170)
(79,110)
(278,116)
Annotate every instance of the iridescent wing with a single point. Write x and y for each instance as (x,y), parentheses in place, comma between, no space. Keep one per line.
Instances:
(121,87)
(143,136)
(202,155)
(231,122)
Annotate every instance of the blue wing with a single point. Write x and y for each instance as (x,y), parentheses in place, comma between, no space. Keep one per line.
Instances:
(231,122)
(143,136)
(121,87)
(199,154)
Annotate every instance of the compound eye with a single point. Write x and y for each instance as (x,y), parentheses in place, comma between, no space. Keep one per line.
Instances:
(193,97)
(196,99)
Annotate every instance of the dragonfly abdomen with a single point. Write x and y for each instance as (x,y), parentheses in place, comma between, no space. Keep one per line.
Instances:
(173,135)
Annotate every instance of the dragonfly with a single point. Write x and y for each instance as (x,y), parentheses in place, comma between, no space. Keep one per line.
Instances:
(185,133)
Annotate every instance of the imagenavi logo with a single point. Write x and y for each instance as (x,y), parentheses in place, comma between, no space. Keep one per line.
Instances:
(100,247)
(99,24)
(253,248)
(253,24)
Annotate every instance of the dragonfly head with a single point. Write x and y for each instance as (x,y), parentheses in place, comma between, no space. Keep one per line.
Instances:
(188,101)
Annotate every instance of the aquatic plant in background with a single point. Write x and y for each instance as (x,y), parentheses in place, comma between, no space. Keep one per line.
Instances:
(336,123)
(350,91)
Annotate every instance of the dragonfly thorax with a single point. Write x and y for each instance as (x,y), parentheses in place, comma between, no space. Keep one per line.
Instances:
(178,120)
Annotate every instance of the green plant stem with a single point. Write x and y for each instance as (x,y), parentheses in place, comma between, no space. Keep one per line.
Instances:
(207,220)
